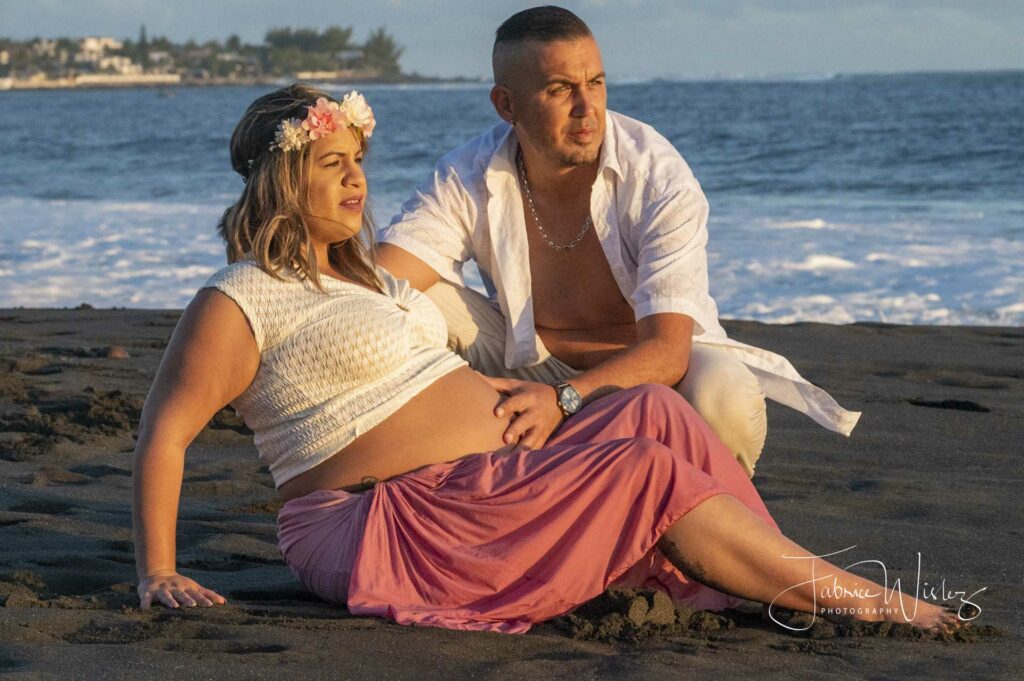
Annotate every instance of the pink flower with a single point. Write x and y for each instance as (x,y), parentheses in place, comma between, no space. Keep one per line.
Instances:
(322,119)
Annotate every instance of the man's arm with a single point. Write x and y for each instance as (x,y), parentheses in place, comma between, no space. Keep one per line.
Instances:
(430,238)
(404,265)
(660,354)
(671,301)
(672,287)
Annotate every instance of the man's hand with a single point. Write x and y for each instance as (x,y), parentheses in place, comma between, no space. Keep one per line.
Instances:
(535,406)
(174,590)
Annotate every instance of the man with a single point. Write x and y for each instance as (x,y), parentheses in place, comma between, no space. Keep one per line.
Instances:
(591,230)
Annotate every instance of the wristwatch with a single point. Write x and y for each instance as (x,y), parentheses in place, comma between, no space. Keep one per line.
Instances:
(569,399)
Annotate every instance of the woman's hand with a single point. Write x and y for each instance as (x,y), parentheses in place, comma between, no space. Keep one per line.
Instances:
(174,590)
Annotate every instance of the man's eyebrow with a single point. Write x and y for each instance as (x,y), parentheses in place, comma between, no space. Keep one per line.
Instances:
(566,80)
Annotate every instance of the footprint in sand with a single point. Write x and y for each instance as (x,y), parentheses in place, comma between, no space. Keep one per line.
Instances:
(22,446)
(214,646)
(8,664)
(957,405)
(51,475)
(112,632)
(100,470)
(969,379)
(233,563)
(277,595)
(863,485)
(44,506)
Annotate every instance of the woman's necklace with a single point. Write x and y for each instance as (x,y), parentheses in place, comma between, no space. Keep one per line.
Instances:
(521,165)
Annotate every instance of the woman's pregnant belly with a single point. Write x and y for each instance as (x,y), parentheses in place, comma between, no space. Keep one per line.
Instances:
(449,419)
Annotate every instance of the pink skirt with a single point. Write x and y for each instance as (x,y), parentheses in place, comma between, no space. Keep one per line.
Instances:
(498,542)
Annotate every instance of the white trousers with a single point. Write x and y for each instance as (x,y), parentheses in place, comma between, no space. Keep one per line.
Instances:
(721,388)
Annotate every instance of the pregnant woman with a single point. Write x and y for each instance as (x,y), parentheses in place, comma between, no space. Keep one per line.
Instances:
(401,500)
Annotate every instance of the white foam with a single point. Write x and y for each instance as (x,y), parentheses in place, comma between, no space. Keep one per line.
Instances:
(1010,310)
(898,259)
(816,223)
(125,252)
(817,263)
(929,269)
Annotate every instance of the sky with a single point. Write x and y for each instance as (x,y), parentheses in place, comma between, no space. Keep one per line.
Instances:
(640,39)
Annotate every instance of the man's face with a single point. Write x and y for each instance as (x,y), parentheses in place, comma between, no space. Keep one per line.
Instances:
(559,99)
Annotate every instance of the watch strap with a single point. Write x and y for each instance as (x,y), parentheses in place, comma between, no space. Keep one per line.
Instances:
(559,386)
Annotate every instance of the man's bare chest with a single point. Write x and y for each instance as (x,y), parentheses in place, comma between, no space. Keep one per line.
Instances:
(575,288)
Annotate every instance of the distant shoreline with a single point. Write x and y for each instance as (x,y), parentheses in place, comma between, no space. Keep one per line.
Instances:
(11,85)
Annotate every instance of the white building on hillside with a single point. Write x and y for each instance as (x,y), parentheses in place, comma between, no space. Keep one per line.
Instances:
(45,48)
(93,49)
(118,64)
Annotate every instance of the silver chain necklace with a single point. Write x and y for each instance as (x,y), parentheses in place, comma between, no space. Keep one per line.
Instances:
(533,211)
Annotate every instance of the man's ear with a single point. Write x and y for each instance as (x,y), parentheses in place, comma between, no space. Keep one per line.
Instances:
(501,98)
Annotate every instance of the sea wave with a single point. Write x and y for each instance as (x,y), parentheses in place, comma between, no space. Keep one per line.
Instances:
(879,198)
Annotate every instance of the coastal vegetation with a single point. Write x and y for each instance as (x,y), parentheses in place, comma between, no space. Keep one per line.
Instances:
(285,52)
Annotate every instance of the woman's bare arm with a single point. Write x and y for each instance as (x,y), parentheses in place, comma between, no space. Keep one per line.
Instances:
(211,359)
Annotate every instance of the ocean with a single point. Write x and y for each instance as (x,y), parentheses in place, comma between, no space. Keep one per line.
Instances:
(890,198)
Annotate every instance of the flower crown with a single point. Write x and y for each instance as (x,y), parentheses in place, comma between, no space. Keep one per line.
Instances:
(323,119)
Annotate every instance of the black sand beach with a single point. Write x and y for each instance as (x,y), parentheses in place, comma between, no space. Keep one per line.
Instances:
(935,467)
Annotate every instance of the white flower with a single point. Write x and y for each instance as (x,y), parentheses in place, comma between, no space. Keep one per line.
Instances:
(358,112)
(290,135)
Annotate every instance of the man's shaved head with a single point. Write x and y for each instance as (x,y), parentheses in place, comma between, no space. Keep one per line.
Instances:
(544,24)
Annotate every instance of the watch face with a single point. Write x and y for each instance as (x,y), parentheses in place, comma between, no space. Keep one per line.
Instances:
(570,399)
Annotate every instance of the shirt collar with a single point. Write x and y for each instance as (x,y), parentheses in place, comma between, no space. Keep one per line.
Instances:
(609,160)
(503,158)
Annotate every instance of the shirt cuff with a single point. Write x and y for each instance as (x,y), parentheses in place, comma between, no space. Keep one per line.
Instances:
(450,270)
(677,305)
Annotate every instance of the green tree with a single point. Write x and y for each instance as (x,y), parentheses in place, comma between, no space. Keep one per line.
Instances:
(304,49)
(336,39)
(306,39)
(382,52)
(278,38)
(142,51)
(162,43)
(333,39)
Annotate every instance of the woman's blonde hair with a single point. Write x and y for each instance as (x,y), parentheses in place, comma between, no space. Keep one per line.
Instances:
(266,222)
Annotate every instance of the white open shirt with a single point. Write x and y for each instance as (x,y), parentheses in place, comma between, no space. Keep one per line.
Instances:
(650,216)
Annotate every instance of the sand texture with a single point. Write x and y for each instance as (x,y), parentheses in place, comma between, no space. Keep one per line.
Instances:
(935,467)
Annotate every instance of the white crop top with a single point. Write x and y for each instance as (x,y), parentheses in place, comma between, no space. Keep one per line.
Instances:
(332,364)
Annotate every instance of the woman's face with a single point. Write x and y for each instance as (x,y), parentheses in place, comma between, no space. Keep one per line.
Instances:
(337,188)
